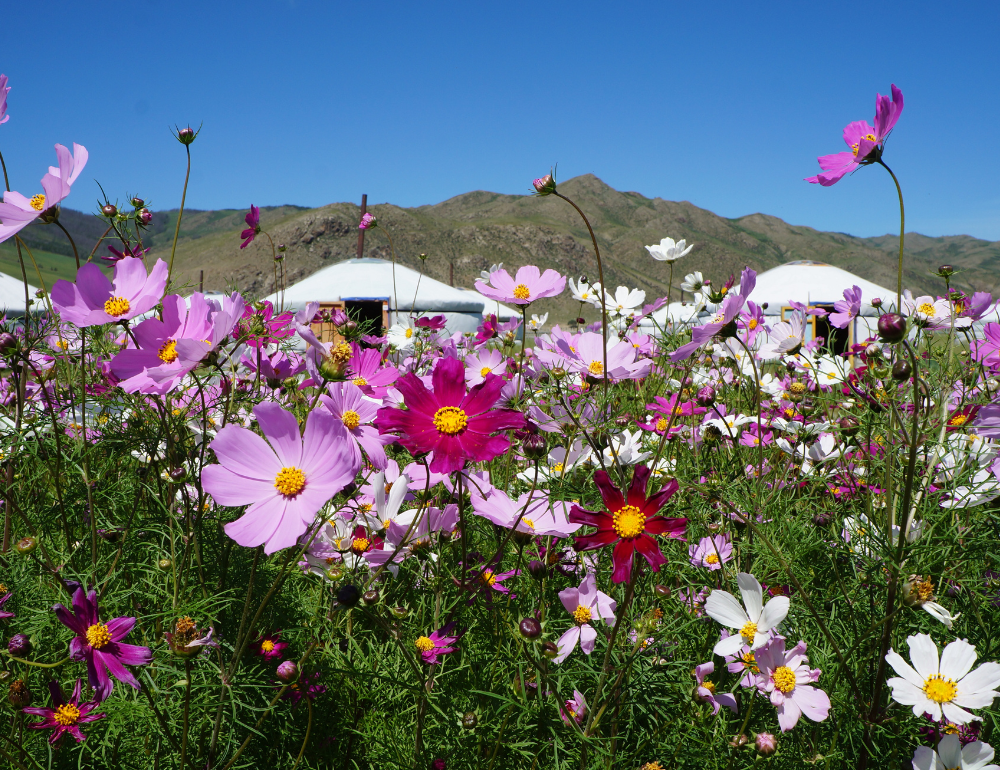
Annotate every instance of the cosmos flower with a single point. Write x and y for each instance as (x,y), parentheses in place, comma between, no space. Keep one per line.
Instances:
(866,142)
(753,623)
(259,326)
(726,314)
(950,755)
(94,300)
(711,552)
(285,477)
(65,716)
(437,644)
(447,419)
(629,522)
(253,226)
(947,686)
(847,308)
(100,644)
(269,646)
(542,516)
(585,603)
(537,321)
(668,251)
(575,708)
(17,212)
(355,410)
(705,691)
(528,285)
(368,221)
(3,600)
(786,676)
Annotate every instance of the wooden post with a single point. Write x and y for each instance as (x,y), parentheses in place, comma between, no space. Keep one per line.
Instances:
(451,273)
(361,233)
(201,281)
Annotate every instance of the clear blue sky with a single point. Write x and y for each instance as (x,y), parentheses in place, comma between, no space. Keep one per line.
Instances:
(726,105)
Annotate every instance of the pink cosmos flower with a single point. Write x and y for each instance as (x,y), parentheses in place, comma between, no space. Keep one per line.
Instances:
(347,403)
(94,300)
(585,603)
(478,365)
(524,288)
(270,646)
(17,212)
(711,552)
(728,312)
(847,308)
(285,477)
(367,222)
(370,372)
(454,423)
(253,226)
(64,716)
(542,516)
(575,708)
(437,644)
(275,367)
(100,644)
(706,690)
(588,358)
(4,90)
(787,677)
(260,327)
(866,142)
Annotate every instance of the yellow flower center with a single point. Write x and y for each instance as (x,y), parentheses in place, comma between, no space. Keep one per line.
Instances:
(582,614)
(66,714)
(167,352)
(361,544)
(409,333)
(341,352)
(869,137)
(267,646)
(596,368)
(629,521)
(925,590)
(530,523)
(98,636)
(62,344)
(521,291)
(351,419)
(750,661)
(940,689)
(662,423)
(290,481)
(748,632)
(488,577)
(558,468)
(360,381)
(450,420)
(116,307)
(784,679)
(365,507)
(712,558)
(798,388)
(424,643)
(484,371)
(752,324)
(958,419)
(710,686)
(926,308)
(37,202)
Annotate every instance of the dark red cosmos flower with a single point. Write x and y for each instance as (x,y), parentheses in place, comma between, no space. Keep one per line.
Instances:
(454,423)
(65,716)
(253,226)
(437,322)
(629,522)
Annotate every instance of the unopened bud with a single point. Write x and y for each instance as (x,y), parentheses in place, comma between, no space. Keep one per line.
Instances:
(18,694)
(706,396)
(288,671)
(26,545)
(138,203)
(545,185)
(145,216)
(766,744)
(945,271)
(549,650)
(8,343)
(901,370)
(534,446)
(536,569)
(370,596)
(164,564)
(109,210)
(891,327)
(186,135)
(530,628)
(19,646)
(821,519)
(348,595)
(849,426)
(470,720)
(876,302)
(662,591)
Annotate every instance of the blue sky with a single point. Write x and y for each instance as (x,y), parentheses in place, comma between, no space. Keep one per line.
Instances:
(726,105)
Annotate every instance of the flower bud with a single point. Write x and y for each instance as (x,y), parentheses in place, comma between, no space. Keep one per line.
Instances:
(138,203)
(530,628)
(766,744)
(8,343)
(186,135)
(177,475)
(545,185)
(164,564)
(558,372)
(288,671)
(549,650)
(891,327)
(901,370)
(368,221)
(370,597)
(821,519)
(26,545)
(109,210)
(581,321)
(945,271)
(705,396)
(876,302)
(849,426)
(662,591)
(110,535)
(399,611)
(534,446)
(18,694)
(145,216)
(739,741)
(19,646)
(469,720)
(348,595)
(536,569)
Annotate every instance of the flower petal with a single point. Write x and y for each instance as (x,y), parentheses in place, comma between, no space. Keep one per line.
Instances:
(723,608)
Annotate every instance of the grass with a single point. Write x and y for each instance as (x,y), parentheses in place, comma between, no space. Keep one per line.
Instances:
(52,266)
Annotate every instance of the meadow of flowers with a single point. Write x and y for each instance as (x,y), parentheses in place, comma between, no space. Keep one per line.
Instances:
(229,543)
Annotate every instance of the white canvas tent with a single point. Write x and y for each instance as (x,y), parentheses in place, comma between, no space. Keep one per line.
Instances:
(12,296)
(502,312)
(369,279)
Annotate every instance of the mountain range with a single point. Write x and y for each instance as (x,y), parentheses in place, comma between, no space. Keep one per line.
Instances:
(466,234)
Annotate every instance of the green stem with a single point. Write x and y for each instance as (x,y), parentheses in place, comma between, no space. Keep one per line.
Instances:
(177,229)
(902,231)
(71,242)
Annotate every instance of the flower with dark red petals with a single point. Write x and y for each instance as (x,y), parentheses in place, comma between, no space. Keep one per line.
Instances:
(65,716)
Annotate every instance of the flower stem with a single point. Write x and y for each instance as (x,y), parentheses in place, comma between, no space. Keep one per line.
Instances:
(71,243)
(180,213)
(902,231)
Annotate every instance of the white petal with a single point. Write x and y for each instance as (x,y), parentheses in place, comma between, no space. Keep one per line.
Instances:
(904,669)
(923,654)
(925,758)
(985,677)
(753,595)
(957,715)
(723,608)
(938,612)
(950,751)
(731,645)
(977,755)
(775,612)
(957,660)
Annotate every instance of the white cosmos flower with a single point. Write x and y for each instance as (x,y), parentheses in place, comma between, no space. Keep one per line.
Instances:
(582,291)
(752,623)
(627,447)
(537,321)
(667,251)
(693,282)
(950,755)
(625,300)
(386,508)
(948,686)
(487,274)
(401,335)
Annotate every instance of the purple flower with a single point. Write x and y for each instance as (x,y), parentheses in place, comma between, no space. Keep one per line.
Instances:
(368,221)
(260,326)
(711,552)
(584,603)
(253,226)
(65,716)
(94,300)
(270,646)
(307,686)
(575,708)
(284,479)
(349,404)
(17,212)
(786,676)
(3,600)
(438,643)
(866,142)
(542,516)
(127,251)
(727,313)
(4,90)
(437,322)
(847,308)
(706,690)
(100,644)
(524,288)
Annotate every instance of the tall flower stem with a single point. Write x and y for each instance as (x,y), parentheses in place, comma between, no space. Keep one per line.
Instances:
(180,213)
(72,243)
(20,259)
(670,285)
(902,232)
(604,289)
(395,297)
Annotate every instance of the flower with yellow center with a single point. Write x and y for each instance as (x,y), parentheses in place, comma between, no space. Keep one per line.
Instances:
(869,137)
(940,689)
(926,308)
(116,307)
(408,334)
(267,646)
(67,714)
(484,371)
(360,381)
(522,292)
(750,661)
(748,632)
(450,420)
(712,558)
(959,419)
(289,482)
(710,686)
(424,643)
(596,368)
(629,521)
(167,352)
(582,614)
(98,636)
(529,523)
(351,419)
(361,544)
(488,577)
(784,679)
(752,619)
(37,202)
(661,424)
(558,468)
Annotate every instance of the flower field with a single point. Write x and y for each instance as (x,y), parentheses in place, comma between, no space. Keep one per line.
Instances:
(231,543)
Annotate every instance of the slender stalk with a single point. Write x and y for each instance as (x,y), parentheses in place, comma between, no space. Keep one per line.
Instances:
(187,709)
(395,296)
(305,740)
(71,242)
(902,232)
(180,213)
(99,242)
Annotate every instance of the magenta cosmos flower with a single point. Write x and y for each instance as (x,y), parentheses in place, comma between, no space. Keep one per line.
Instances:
(866,142)
(100,644)
(17,212)
(786,676)
(585,603)
(65,716)
(94,300)
(438,643)
(524,288)
(285,479)
(260,326)
(367,222)
(4,90)
(706,690)
(454,423)
(629,522)
(253,226)
(270,646)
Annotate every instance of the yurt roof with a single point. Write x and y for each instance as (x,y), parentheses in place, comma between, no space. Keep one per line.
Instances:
(12,295)
(813,283)
(370,278)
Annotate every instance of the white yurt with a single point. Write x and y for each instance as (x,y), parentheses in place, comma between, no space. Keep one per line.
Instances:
(364,284)
(502,312)
(12,296)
